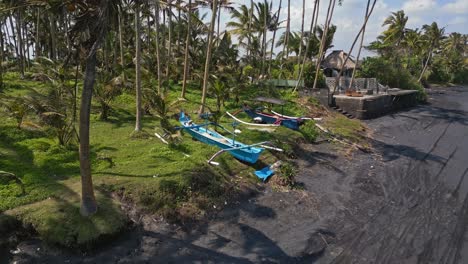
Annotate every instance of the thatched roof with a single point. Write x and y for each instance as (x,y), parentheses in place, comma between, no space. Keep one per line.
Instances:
(336,59)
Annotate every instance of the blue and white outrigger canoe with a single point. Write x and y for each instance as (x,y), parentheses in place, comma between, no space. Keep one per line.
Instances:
(247,153)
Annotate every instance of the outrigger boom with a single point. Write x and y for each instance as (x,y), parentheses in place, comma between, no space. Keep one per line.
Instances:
(261,144)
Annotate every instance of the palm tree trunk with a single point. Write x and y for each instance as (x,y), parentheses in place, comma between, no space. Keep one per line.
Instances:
(274,36)
(169,49)
(137,67)
(38,22)
(219,20)
(13,34)
(286,40)
(313,24)
(53,38)
(302,33)
(178,27)
(19,30)
(249,33)
(208,56)
(264,45)
(331,7)
(88,200)
(1,54)
(26,46)
(158,54)
(425,65)
(360,48)
(122,58)
(187,46)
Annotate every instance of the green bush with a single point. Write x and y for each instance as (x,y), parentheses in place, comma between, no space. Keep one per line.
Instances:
(309,76)
(388,74)
(287,174)
(438,74)
(461,76)
(309,131)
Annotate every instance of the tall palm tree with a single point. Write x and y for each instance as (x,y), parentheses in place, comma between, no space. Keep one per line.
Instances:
(433,35)
(455,42)
(158,51)
(137,66)
(328,18)
(240,24)
(396,30)
(208,56)
(222,4)
(187,45)
(302,32)
(263,22)
(94,18)
(275,28)
(288,29)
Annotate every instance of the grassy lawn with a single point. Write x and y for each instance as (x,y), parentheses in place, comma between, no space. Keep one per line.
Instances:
(156,177)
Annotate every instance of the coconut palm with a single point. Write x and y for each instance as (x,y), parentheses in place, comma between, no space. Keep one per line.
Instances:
(208,56)
(240,25)
(93,18)
(323,40)
(396,30)
(138,66)
(433,36)
(274,29)
(187,45)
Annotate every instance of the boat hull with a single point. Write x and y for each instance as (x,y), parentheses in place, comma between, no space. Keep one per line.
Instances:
(289,123)
(238,150)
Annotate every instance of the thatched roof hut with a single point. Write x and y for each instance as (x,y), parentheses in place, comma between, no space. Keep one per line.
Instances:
(334,61)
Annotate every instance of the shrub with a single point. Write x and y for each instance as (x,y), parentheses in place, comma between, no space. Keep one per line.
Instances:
(309,76)
(460,76)
(287,174)
(388,74)
(309,131)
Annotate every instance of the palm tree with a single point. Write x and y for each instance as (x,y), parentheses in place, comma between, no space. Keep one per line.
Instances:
(396,30)
(138,66)
(311,39)
(158,53)
(455,42)
(433,35)
(240,24)
(264,22)
(187,45)
(331,8)
(275,28)
(295,43)
(288,29)
(208,55)
(95,17)
(302,32)
(222,4)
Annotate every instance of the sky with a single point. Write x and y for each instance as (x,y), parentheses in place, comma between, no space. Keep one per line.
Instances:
(451,14)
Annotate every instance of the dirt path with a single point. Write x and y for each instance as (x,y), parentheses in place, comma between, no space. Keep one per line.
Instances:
(406,203)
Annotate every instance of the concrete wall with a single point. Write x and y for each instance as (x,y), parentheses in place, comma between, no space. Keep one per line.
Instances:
(376,105)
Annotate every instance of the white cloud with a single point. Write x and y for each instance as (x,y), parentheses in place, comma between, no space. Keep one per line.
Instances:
(457,7)
(417,6)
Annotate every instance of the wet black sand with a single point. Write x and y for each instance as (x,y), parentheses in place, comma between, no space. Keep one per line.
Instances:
(404,203)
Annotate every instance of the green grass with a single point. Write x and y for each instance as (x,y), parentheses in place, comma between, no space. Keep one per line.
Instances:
(350,129)
(156,177)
